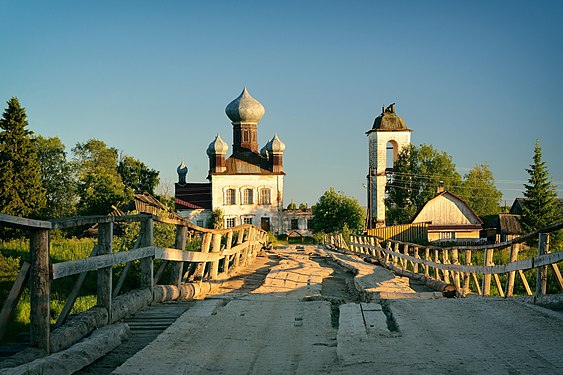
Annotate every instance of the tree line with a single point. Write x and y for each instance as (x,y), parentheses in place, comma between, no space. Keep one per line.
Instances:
(39,180)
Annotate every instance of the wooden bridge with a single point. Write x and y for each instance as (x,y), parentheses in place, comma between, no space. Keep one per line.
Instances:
(392,316)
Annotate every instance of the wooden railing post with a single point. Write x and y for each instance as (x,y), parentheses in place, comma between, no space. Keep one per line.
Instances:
(227,248)
(40,289)
(180,243)
(541,278)
(514,249)
(467,275)
(216,248)
(105,282)
(487,277)
(147,266)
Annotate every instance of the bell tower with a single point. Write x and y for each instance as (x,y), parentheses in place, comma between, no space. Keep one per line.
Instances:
(388,132)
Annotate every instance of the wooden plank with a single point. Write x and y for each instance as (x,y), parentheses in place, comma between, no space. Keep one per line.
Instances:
(105,275)
(69,222)
(558,276)
(40,288)
(67,308)
(13,297)
(498,284)
(525,282)
(479,291)
(23,223)
(73,267)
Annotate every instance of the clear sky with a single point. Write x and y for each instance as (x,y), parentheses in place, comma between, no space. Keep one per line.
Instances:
(480,80)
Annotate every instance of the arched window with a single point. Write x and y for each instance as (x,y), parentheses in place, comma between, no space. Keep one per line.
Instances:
(230,197)
(247,196)
(265,196)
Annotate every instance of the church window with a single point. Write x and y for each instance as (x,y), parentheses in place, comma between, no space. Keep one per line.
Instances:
(247,220)
(230,196)
(230,222)
(265,196)
(247,196)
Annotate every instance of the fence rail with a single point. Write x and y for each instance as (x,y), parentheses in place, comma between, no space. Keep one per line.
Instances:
(454,265)
(222,250)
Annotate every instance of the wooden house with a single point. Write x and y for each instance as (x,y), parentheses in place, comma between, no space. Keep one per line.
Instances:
(449,219)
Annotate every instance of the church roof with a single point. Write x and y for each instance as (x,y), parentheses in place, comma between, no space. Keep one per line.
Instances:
(194,195)
(247,163)
(245,109)
(388,120)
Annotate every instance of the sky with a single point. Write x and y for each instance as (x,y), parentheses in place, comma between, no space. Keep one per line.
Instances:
(480,80)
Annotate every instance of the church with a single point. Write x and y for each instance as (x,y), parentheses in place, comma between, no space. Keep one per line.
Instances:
(248,185)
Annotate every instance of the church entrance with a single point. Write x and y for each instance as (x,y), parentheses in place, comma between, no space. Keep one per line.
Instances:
(265,223)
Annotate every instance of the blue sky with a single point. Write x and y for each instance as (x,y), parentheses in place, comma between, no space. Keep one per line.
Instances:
(480,80)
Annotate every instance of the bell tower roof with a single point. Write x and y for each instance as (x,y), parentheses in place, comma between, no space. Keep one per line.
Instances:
(388,120)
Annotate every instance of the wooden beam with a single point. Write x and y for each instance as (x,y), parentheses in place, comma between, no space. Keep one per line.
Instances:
(525,282)
(69,222)
(105,283)
(13,297)
(40,286)
(22,222)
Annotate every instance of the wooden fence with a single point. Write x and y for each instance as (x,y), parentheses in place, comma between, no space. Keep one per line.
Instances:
(404,232)
(221,250)
(454,265)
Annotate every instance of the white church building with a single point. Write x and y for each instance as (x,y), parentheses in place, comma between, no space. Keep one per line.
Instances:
(248,185)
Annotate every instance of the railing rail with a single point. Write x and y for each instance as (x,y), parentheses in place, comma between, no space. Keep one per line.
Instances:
(218,252)
(454,265)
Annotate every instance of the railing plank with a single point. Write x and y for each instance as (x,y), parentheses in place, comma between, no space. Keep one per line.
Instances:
(13,298)
(23,223)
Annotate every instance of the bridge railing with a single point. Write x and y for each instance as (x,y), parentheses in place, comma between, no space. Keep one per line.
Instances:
(456,265)
(222,252)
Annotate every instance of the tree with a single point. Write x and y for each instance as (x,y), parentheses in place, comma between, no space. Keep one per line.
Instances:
(216,220)
(99,184)
(57,178)
(541,206)
(335,212)
(416,175)
(137,176)
(479,191)
(21,190)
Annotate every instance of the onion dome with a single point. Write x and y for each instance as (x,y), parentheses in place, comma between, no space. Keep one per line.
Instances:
(217,147)
(245,109)
(276,145)
(182,169)
(389,120)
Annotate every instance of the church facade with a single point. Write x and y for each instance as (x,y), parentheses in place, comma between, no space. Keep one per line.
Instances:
(248,185)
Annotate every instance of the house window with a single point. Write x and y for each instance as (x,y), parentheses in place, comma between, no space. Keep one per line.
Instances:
(230,196)
(294,223)
(247,220)
(447,235)
(199,223)
(265,195)
(230,222)
(247,196)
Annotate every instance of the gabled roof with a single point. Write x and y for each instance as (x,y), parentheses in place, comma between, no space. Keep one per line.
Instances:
(509,223)
(457,209)
(194,195)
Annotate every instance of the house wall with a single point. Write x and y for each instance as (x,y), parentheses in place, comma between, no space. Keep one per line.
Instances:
(199,217)
(459,234)
(273,211)
(302,218)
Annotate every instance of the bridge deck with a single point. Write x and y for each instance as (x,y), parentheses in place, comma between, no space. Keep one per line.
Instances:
(287,326)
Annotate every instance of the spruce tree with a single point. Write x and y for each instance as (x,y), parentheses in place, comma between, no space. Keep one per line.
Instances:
(541,207)
(21,189)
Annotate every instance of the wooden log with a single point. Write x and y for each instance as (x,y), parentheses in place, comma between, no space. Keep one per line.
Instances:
(105,283)
(525,282)
(67,308)
(514,249)
(147,266)
(13,297)
(180,243)
(40,289)
(541,274)
(487,277)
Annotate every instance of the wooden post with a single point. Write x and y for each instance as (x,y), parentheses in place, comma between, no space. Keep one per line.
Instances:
(180,243)
(514,249)
(227,248)
(415,265)
(427,258)
(467,275)
(406,252)
(205,245)
(541,279)
(237,256)
(487,277)
(437,260)
(105,282)
(147,266)
(39,286)
(215,249)
(446,260)
(455,275)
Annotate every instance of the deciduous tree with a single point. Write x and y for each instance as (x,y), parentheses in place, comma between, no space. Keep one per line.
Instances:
(479,191)
(335,211)
(21,190)
(136,175)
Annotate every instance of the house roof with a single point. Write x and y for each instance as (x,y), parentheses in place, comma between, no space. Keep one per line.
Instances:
(194,195)
(519,203)
(447,219)
(509,223)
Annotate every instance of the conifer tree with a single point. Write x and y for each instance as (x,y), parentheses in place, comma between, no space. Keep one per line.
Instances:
(21,189)
(541,207)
